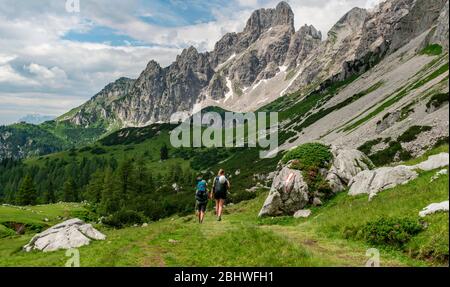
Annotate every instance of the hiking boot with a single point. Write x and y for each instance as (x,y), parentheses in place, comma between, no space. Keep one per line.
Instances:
(219,218)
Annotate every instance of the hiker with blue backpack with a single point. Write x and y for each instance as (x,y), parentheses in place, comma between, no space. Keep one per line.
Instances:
(220,189)
(201,197)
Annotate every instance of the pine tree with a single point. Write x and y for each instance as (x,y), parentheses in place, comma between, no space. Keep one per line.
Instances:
(94,189)
(143,178)
(164,152)
(110,200)
(27,193)
(69,190)
(49,195)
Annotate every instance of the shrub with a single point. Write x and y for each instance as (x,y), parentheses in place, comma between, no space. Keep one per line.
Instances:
(437,100)
(85,215)
(310,155)
(386,155)
(237,197)
(84,149)
(390,231)
(98,150)
(309,158)
(367,146)
(411,134)
(432,50)
(123,218)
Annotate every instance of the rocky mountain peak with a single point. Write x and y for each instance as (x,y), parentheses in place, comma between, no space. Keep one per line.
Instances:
(264,19)
(311,31)
(190,52)
(350,22)
(152,66)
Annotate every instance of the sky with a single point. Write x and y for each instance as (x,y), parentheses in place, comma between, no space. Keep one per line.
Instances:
(56,54)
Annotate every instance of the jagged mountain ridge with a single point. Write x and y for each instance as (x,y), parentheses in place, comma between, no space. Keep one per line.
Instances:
(239,60)
(266,60)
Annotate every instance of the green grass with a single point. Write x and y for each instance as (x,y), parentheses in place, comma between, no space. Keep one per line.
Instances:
(37,214)
(345,212)
(6,232)
(317,241)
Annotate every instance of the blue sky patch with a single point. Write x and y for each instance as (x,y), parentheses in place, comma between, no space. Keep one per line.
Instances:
(174,13)
(99,34)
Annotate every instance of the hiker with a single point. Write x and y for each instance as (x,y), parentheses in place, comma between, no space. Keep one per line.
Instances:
(201,198)
(220,188)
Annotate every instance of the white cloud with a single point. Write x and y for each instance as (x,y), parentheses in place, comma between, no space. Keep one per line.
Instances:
(9,75)
(46,73)
(248,3)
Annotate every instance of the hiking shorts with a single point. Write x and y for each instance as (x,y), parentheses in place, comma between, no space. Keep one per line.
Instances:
(201,206)
(220,195)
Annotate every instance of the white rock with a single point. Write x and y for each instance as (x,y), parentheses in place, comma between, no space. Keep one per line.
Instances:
(146,224)
(317,201)
(347,163)
(304,213)
(433,208)
(91,232)
(72,233)
(433,162)
(373,181)
(289,193)
(438,174)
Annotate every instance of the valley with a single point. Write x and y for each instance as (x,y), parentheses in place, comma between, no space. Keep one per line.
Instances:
(321,240)
(357,111)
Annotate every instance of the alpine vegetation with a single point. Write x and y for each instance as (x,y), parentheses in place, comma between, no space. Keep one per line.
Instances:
(234,130)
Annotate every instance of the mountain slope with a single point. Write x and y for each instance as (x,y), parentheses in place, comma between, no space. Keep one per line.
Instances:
(25,140)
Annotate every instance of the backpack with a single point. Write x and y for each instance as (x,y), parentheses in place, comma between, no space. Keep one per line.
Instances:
(201,195)
(220,188)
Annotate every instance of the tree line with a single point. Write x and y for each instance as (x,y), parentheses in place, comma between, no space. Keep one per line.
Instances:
(108,185)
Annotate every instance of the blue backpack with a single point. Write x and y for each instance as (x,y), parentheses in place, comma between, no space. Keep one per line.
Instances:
(201,195)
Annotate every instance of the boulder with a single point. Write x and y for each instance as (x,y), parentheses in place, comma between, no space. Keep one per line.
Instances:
(304,213)
(433,208)
(433,162)
(72,233)
(317,201)
(346,164)
(373,181)
(289,193)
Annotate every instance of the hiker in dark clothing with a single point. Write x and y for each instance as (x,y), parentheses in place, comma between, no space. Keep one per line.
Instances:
(220,188)
(201,198)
